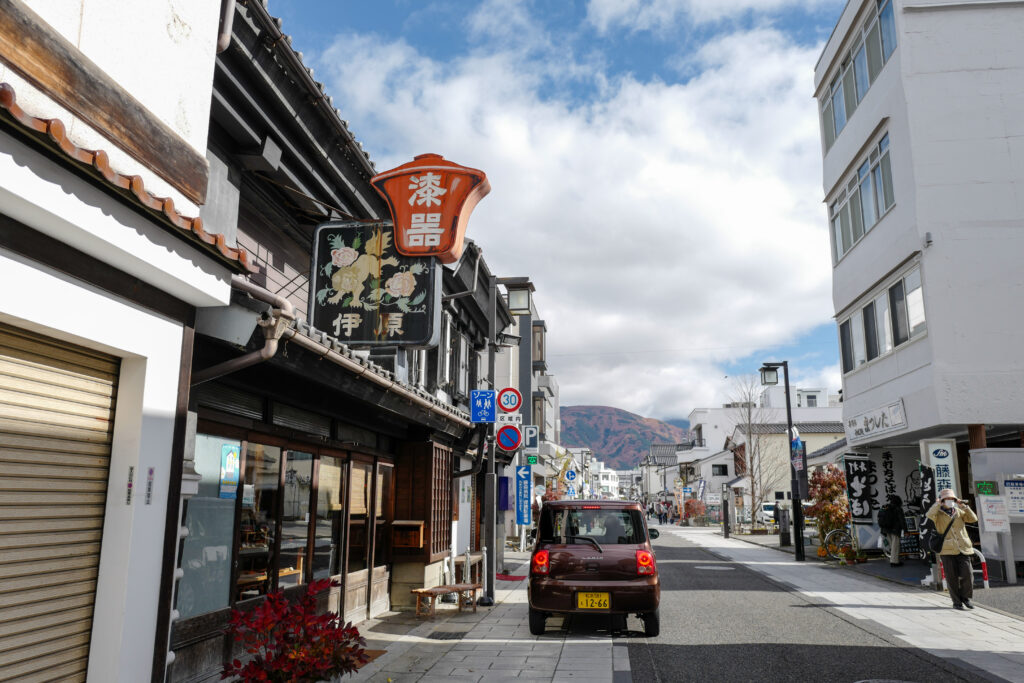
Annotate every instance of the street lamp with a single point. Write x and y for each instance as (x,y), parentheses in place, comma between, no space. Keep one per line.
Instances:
(520,290)
(770,376)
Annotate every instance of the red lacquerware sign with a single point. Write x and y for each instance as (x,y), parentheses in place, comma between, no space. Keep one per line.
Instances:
(430,200)
(510,400)
(509,438)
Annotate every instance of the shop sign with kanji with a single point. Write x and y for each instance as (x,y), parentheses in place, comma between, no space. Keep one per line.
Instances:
(366,294)
(430,200)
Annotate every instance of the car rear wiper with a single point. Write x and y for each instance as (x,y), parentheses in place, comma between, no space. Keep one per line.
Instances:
(588,539)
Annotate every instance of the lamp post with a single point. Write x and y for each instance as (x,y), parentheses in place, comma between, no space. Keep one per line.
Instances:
(770,376)
(725,510)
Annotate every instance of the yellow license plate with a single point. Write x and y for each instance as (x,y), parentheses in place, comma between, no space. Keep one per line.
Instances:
(592,601)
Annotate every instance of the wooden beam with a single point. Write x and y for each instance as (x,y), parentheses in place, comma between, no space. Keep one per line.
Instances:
(976,436)
(42,56)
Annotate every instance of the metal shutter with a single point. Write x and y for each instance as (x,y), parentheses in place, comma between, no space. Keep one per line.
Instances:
(56,422)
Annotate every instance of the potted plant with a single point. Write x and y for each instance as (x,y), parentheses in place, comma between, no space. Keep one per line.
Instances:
(850,555)
(292,642)
(862,557)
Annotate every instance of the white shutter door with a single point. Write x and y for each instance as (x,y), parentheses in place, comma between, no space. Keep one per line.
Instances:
(56,421)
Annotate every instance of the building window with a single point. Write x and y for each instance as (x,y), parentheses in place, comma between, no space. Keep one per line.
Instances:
(863,201)
(538,343)
(893,317)
(873,45)
(812,401)
(205,585)
(720,470)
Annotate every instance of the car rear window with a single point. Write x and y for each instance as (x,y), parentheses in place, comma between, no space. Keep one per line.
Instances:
(606,526)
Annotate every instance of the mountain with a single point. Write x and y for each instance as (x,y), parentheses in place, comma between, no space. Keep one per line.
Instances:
(618,438)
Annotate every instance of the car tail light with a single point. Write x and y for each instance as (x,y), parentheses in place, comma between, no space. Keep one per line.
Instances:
(541,562)
(591,507)
(645,562)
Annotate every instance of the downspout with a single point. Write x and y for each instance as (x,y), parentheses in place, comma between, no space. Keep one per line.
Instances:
(479,461)
(274,326)
(227,19)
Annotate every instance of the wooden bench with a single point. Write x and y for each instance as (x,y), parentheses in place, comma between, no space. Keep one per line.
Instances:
(465,591)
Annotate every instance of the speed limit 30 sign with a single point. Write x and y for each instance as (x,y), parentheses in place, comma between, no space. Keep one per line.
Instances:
(510,400)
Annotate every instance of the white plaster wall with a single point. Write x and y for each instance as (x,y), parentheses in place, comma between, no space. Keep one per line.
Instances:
(965,94)
(955,108)
(127,590)
(160,51)
(43,195)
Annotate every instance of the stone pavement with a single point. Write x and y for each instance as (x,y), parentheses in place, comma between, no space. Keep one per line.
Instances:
(980,639)
(493,644)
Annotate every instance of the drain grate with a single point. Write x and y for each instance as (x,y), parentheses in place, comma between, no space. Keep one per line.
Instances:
(447,635)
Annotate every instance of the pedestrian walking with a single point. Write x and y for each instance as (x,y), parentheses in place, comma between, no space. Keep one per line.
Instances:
(777,515)
(949,516)
(893,523)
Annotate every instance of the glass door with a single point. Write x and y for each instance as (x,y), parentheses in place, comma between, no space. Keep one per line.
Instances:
(384,515)
(357,579)
(329,538)
(295,522)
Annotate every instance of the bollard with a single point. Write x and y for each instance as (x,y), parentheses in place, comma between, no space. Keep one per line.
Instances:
(483,576)
(465,569)
(784,538)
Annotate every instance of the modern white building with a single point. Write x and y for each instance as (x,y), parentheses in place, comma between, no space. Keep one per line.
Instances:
(922,124)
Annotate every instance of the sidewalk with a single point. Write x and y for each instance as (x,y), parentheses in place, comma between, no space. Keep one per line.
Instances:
(493,644)
(1003,597)
(980,639)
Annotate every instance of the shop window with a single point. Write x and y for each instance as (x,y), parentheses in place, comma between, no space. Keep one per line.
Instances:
(258,528)
(385,513)
(210,518)
(441,501)
(295,545)
(328,543)
(359,510)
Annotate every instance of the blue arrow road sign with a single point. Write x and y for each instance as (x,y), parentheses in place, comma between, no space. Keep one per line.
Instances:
(570,475)
(524,482)
(482,406)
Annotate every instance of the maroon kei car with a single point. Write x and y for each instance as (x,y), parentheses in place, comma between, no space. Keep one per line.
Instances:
(593,557)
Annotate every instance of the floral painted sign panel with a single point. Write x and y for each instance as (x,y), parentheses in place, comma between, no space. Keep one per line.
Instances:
(367,294)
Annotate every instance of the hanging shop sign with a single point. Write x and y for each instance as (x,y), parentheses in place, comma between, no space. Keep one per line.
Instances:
(861,487)
(430,199)
(366,294)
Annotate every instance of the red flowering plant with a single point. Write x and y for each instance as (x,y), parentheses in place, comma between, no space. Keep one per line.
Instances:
(290,642)
(827,488)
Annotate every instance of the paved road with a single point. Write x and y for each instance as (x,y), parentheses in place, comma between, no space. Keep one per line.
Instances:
(721,621)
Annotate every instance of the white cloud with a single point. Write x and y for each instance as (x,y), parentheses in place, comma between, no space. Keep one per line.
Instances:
(661,16)
(669,228)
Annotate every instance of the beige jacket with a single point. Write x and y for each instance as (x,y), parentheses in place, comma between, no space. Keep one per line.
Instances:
(957,541)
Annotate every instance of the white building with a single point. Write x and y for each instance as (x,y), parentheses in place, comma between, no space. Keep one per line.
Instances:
(103,266)
(923,147)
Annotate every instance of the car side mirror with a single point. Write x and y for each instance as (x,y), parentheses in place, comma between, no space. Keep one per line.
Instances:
(654,533)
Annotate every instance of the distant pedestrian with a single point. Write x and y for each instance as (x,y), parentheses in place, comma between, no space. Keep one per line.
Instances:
(777,515)
(952,514)
(892,523)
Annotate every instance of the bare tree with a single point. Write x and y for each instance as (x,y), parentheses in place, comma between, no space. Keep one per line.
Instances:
(765,460)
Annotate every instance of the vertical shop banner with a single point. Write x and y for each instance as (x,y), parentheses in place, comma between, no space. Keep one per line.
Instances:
(229,459)
(366,294)
(940,455)
(861,480)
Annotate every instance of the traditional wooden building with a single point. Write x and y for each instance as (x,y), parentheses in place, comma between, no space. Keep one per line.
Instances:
(307,459)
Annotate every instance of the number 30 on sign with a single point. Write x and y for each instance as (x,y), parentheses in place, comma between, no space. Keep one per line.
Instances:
(509,399)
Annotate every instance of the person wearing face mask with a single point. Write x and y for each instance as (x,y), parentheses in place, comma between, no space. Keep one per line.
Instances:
(957,548)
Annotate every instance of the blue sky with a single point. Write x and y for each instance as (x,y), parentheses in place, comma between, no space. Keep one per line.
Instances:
(655,169)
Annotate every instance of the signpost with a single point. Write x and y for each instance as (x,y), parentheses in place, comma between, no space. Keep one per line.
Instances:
(510,400)
(523,484)
(509,438)
(481,406)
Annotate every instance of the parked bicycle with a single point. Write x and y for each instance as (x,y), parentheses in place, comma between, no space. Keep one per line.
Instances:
(838,542)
